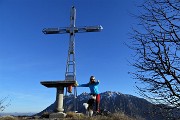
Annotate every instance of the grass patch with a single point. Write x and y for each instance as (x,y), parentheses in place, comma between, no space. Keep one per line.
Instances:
(115,116)
(74,115)
(8,118)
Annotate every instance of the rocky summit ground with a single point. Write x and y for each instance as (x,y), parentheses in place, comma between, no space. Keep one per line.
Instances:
(73,116)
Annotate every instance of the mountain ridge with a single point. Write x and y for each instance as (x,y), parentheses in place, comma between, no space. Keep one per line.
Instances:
(118,102)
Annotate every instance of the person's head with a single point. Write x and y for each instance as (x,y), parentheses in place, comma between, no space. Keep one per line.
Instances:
(92,79)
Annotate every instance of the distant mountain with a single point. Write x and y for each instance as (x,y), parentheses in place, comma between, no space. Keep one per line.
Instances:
(16,114)
(118,102)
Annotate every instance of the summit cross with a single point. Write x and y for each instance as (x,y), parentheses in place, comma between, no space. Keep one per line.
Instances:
(70,73)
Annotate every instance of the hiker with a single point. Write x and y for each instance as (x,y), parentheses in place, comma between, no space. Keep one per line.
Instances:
(93,85)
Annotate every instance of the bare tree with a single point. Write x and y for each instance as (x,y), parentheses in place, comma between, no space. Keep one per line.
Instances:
(3,105)
(156,44)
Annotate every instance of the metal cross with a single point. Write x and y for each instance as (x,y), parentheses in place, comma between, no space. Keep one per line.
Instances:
(70,74)
(72,29)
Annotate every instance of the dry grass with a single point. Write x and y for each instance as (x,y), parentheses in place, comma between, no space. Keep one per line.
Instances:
(115,116)
(8,118)
(80,116)
(75,116)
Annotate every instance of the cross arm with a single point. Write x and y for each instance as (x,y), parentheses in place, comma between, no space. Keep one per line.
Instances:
(60,30)
(97,28)
(54,30)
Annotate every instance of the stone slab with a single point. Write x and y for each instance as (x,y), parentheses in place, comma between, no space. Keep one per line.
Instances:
(57,115)
(64,83)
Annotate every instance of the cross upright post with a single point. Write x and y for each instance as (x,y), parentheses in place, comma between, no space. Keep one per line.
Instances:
(70,74)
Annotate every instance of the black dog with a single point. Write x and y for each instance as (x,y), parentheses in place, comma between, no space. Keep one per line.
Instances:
(89,106)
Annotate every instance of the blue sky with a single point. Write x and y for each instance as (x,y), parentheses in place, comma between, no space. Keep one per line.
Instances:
(27,56)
